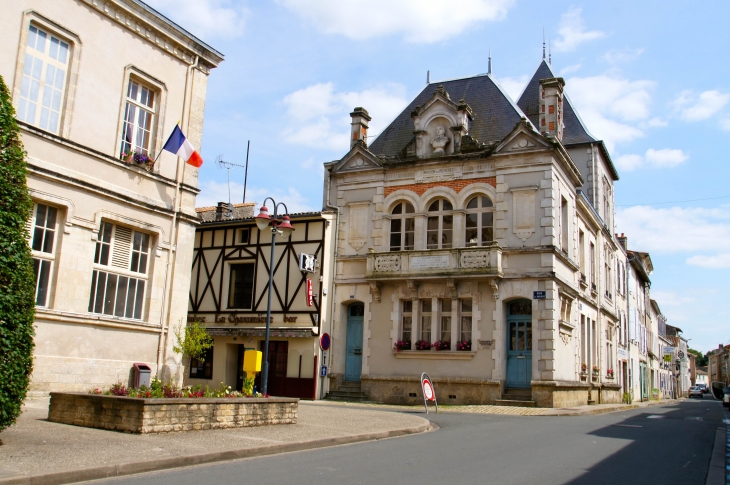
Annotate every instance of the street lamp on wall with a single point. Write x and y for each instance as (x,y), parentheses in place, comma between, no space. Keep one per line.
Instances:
(284,229)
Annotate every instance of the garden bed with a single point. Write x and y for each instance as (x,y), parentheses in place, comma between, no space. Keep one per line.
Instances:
(160,415)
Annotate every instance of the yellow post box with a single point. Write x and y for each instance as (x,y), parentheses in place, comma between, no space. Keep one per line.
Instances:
(251,362)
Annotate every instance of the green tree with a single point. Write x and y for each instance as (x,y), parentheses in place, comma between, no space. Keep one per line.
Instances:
(701,360)
(17,280)
(192,341)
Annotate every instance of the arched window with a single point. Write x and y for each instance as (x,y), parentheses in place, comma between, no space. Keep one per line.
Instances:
(402,224)
(439,232)
(479,221)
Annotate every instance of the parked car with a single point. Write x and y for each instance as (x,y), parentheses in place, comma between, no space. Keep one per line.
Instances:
(696,391)
(705,389)
(726,397)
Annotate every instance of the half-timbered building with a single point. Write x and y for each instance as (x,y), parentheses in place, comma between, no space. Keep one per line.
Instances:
(229,292)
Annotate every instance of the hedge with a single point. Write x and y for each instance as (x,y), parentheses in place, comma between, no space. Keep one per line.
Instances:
(17,280)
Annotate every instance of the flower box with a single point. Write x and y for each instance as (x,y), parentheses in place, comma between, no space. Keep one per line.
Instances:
(442,345)
(464,346)
(423,345)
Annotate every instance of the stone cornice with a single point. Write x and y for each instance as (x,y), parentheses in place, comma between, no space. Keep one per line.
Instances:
(158,30)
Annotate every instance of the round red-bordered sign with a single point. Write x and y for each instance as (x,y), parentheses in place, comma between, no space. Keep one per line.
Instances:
(324,341)
(428,390)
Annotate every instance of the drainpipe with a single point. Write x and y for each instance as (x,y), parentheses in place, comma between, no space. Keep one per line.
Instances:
(334,266)
(172,254)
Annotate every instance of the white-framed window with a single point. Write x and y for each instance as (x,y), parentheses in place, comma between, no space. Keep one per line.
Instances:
(426,314)
(43,246)
(120,272)
(440,225)
(466,321)
(43,85)
(402,227)
(407,321)
(445,327)
(139,118)
(479,221)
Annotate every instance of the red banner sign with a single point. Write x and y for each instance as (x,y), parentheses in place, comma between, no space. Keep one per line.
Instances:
(309,293)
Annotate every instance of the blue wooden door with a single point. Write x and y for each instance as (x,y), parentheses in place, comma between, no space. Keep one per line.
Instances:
(353,359)
(519,343)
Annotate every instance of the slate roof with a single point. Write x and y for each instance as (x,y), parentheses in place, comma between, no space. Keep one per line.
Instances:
(494,113)
(574,131)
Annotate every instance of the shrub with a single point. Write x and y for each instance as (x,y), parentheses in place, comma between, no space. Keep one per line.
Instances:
(17,280)
(192,341)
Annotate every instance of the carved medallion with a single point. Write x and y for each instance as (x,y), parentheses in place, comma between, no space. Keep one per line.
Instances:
(387,263)
(475,259)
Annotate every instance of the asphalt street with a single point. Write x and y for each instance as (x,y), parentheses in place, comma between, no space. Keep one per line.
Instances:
(669,444)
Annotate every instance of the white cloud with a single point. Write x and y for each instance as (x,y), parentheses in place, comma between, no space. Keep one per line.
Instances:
(570,69)
(212,192)
(610,106)
(664,158)
(617,56)
(416,20)
(692,107)
(725,124)
(514,86)
(655,122)
(572,31)
(676,229)
(320,115)
(206,19)
(718,261)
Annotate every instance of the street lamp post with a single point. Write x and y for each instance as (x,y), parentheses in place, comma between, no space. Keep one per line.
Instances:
(282,228)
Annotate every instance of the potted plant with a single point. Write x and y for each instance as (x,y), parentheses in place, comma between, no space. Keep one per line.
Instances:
(609,374)
(596,371)
(423,345)
(401,345)
(139,158)
(442,345)
(464,345)
(583,371)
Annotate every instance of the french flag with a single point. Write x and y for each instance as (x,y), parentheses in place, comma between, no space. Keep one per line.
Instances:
(180,146)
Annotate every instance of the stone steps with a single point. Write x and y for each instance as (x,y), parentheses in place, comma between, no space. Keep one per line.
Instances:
(348,391)
(515,403)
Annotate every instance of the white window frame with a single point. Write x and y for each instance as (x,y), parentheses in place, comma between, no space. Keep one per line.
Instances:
(46,260)
(466,316)
(134,103)
(479,210)
(403,217)
(439,216)
(117,265)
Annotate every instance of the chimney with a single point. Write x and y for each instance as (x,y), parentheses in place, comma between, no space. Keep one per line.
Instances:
(551,107)
(623,241)
(359,124)
(221,211)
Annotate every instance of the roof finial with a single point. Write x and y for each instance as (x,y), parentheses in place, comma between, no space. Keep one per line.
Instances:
(543,43)
(428,77)
(490,61)
(550,54)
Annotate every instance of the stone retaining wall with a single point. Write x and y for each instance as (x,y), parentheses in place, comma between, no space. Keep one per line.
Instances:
(134,415)
(401,390)
(559,394)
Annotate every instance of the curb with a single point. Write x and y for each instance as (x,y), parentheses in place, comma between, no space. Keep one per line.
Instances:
(626,407)
(108,471)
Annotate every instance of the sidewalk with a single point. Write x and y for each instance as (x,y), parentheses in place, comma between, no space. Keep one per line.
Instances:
(506,410)
(37,451)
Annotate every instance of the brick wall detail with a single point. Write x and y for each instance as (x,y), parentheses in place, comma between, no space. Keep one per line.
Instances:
(133,415)
(456,185)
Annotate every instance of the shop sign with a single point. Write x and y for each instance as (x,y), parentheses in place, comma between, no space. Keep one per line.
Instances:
(622,354)
(307,262)
(309,293)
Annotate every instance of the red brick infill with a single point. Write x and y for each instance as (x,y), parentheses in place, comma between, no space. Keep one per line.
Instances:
(456,185)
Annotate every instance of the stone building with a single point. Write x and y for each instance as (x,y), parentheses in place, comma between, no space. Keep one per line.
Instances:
(482,228)
(112,238)
(229,290)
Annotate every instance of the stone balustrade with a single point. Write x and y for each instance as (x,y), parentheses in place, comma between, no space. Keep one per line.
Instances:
(436,263)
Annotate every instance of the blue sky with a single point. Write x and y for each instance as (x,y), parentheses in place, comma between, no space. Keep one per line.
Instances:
(650,78)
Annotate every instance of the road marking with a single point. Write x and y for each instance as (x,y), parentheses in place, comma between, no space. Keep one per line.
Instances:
(655,416)
(726,421)
(629,425)
(693,418)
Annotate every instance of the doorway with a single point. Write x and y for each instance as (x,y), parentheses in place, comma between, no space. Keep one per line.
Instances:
(353,358)
(519,343)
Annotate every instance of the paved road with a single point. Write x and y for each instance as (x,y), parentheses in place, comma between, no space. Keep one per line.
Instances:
(664,444)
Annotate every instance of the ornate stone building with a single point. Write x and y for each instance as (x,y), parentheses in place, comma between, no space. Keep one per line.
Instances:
(112,238)
(475,242)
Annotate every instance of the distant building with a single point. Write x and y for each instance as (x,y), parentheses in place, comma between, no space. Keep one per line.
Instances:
(112,239)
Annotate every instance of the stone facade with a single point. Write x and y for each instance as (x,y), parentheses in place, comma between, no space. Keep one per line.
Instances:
(485,226)
(133,415)
(89,331)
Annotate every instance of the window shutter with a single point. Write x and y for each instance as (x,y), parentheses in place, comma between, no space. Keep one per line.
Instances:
(122,245)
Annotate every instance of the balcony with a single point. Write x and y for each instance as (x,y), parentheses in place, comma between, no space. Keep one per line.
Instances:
(594,289)
(435,263)
(583,280)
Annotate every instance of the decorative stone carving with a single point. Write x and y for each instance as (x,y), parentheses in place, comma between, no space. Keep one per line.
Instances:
(358,224)
(375,291)
(523,212)
(475,259)
(439,141)
(522,144)
(451,289)
(387,263)
(565,337)
(413,287)
(495,289)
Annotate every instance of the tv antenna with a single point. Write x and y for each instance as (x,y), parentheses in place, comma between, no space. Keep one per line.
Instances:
(228,166)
